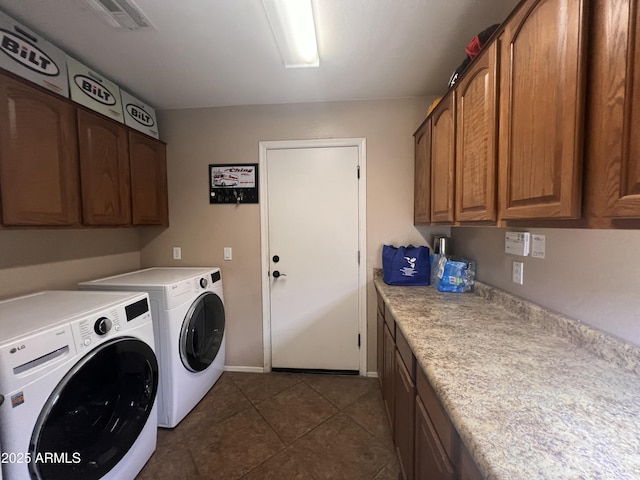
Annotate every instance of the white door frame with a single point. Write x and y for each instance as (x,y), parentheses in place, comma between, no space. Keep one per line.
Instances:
(361,143)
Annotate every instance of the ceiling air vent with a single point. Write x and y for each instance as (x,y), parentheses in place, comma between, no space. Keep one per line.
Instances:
(122,14)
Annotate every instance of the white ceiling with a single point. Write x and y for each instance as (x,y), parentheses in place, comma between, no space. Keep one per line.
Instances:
(222,52)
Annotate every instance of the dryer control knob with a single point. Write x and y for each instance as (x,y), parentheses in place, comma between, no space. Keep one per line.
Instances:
(102,325)
(203,282)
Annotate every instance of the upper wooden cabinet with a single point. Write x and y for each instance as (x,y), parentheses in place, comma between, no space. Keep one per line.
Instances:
(476,151)
(104,169)
(443,132)
(38,157)
(422,187)
(58,160)
(542,78)
(148,163)
(613,154)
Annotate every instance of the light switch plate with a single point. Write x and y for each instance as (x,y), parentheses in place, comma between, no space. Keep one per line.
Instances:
(228,253)
(177,253)
(518,273)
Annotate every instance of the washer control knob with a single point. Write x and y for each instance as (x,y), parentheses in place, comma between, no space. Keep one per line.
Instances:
(117,328)
(203,282)
(102,325)
(87,342)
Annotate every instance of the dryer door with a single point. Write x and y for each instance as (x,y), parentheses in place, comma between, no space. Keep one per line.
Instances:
(96,412)
(202,332)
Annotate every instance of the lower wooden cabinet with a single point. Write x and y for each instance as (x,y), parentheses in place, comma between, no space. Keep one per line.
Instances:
(405,400)
(388,383)
(380,345)
(427,443)
(431,460)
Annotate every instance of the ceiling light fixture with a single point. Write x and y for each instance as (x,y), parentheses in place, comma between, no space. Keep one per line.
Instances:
(294,30)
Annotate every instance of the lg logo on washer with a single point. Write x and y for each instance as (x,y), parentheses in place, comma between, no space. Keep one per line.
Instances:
(15,349)
(94,89)
(139,115)
(27,54)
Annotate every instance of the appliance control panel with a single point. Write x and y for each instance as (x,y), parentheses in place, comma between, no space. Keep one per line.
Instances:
(92,330)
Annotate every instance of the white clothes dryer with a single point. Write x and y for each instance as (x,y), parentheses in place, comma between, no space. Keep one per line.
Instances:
(187,306)
(78,383)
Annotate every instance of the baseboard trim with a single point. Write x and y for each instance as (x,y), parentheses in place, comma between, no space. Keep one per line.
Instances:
(233,368)
(372,374)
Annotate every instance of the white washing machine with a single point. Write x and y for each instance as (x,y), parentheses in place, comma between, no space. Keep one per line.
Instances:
(187,306)
(78,383)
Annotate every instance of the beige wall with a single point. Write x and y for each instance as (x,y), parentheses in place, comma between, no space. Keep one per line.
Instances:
(41,259)
(588,275)
(197,137)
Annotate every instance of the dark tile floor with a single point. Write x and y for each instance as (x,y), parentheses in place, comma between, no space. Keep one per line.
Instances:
(257,426)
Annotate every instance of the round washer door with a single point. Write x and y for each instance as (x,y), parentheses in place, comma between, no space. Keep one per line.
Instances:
(96,412)
(202,332)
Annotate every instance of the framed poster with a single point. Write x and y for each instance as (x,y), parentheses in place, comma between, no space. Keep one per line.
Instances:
(233,183)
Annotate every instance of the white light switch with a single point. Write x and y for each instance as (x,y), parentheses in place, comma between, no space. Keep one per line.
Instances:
(228,254)
(177,253)
(518,273)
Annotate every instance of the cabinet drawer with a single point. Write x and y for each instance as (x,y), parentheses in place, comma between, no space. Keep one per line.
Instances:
(406,354)
(390,321)
(444,428)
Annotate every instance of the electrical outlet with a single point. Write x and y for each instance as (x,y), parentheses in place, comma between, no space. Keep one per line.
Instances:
(177,253)
(518,273)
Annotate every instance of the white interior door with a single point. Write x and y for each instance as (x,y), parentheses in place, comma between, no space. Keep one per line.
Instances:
(313,245)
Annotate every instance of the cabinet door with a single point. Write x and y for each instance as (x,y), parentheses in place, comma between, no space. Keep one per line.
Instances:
(38,157)
(467,469)
(104,171)
(614,111)
(422,184)
(405,399)
(431,461)
(443,160)
(389,374)
(541,110)
(380,352)
(148,163)
(476,152)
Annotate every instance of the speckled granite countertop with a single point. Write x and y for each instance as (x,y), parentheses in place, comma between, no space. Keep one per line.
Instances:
(532,394)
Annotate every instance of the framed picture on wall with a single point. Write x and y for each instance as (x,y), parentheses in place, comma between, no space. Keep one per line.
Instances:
(233,183)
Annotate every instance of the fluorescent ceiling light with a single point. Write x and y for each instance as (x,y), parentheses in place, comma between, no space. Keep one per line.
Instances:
(294,31)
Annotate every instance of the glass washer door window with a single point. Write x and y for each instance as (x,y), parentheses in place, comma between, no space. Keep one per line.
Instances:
(96,412)
(202,332)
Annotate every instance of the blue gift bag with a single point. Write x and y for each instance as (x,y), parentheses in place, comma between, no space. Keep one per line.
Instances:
(405,265)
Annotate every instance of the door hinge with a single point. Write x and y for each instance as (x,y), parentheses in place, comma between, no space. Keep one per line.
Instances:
(358,171)
(358,340)
(358,257)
